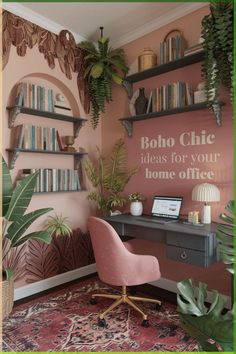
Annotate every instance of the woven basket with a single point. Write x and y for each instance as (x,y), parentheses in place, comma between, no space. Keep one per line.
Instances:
(7,297)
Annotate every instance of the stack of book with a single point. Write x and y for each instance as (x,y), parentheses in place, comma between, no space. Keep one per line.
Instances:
(172,49)
(61,107)
(193,49)
(55,180)
(35,97)
(173,95)
(32,137)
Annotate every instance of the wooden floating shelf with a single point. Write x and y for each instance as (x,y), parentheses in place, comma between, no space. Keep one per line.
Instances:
(15,110)
(164,68)
(128,121)
(14,153)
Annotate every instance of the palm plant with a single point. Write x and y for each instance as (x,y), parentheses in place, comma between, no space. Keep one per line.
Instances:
(103,65)
(109,176)
(217,69)
(15,222)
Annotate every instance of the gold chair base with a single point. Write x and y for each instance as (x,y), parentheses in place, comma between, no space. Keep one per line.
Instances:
(124,298)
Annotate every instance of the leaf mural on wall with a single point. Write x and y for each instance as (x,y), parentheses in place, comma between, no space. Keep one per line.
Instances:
(24,34)
(76,251)
(14,258)
(41,261)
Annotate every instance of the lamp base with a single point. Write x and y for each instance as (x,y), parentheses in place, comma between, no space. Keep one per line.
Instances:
(206,214)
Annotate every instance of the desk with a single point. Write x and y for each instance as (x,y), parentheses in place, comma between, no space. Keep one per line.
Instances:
(185,243)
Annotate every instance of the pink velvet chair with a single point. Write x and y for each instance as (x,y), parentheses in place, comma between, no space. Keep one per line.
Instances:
(116,265)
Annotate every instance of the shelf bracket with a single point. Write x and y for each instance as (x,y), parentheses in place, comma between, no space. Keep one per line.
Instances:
(128,87)
(217,110)
(77,161)
(13,113)
(128,126)
(77,126)
(13,155)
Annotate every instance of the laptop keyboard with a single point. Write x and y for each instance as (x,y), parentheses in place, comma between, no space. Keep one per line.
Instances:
(154,219)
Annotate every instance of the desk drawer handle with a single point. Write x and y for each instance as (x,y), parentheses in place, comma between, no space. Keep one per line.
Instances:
(183,255)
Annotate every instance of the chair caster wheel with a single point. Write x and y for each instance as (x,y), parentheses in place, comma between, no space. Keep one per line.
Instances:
(158,307)
(145,323)
(102,323)
(93,301)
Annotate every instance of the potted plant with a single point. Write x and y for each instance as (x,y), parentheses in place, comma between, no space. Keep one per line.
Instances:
(212,329)
(136,205)
(104,66)
(14,225)
(217,69)
(109,176)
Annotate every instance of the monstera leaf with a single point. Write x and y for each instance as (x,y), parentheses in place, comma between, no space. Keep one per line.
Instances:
(212,330)
(225,236)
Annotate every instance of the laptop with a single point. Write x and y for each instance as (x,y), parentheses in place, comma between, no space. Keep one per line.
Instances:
(165,209)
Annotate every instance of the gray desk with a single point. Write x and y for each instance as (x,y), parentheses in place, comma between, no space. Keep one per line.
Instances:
(185,243)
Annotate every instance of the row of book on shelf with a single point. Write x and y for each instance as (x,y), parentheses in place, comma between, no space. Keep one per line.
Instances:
(172,49)
(170,96)
(33,137)
(40,98)
(54,180)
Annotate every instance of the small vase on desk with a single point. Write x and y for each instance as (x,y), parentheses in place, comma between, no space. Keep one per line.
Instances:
(136,208)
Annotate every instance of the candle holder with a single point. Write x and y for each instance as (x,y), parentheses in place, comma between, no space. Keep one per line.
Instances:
(69,141)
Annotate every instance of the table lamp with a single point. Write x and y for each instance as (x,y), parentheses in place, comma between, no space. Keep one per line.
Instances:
(206,192)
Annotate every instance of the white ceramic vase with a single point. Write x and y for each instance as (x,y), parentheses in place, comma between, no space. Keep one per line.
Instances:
(136,208)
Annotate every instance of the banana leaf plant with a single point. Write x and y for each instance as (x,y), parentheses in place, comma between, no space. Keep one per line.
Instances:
(225,237)
(15,222)
(212,330)
(104,66)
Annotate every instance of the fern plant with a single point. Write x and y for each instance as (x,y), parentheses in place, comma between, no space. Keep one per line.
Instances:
(109,176)
(103,67)
(217,68)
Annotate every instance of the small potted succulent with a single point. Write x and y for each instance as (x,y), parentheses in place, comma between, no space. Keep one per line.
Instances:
(136,205)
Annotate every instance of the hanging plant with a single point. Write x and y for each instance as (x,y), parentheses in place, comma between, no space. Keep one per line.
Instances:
(217,68)
(104,66)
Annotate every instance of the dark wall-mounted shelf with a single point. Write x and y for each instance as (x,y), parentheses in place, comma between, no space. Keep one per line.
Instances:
(15,110)
(14,153)
(164,68)
(128,121)
(69,191)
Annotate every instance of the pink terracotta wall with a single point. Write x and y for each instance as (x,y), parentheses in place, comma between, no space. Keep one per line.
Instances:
(33,67)
(180,146)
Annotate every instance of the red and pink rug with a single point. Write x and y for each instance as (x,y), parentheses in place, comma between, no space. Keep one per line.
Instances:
(66,321)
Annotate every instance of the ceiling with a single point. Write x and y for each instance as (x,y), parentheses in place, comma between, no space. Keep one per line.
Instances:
(122,22)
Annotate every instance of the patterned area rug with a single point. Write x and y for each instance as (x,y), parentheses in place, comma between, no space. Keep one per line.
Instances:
(66,321)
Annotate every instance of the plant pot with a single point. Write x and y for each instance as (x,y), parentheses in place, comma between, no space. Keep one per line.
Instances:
(7,297)
(136,208)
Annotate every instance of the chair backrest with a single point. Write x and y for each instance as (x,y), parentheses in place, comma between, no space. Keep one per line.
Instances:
(111,255)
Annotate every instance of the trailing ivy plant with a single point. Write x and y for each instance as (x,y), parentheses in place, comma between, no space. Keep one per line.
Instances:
(104,66)
(109,176)
(217,68)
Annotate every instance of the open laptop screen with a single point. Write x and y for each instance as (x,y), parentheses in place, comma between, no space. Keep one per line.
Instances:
(167,207)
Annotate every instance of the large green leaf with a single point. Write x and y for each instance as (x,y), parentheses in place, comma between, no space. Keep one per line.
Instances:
(204,323)
(7,187)
(225,236)
(8,273)
(42,236)
(21,197)
(19,226)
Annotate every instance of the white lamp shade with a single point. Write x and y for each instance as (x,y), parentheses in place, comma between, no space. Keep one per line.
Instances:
(206,192)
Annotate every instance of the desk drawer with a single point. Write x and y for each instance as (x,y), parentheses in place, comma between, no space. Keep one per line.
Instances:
(194,242)
(186,255)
